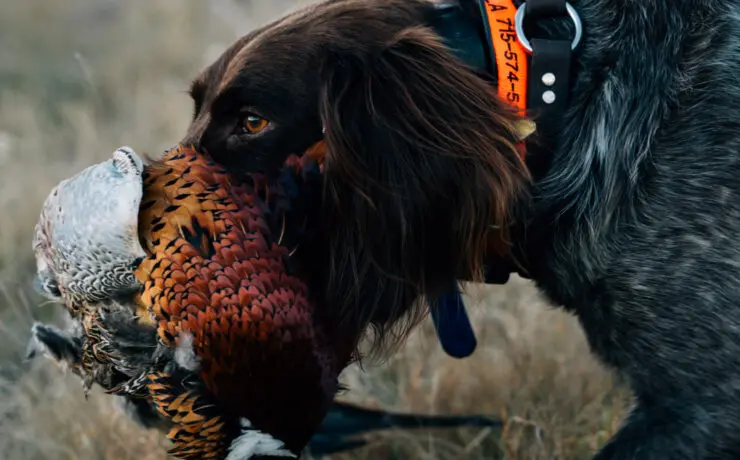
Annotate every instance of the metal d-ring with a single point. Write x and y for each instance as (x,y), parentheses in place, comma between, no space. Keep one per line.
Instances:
(524,41)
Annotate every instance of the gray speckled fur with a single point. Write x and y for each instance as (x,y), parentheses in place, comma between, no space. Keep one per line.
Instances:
(86,241)
(639,215)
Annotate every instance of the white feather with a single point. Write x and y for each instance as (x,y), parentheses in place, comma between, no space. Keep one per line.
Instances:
(254,442)
(185,354)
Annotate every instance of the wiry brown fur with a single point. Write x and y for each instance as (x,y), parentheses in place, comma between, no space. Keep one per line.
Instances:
(420,151)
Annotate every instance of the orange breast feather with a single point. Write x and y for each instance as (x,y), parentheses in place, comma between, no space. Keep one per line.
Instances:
(216,271)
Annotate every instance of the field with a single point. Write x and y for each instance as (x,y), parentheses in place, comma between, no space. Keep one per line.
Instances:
(79,78)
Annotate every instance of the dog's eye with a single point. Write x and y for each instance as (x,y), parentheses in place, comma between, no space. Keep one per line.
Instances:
(254,124)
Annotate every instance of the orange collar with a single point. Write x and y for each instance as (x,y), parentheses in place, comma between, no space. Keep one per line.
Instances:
(511,60)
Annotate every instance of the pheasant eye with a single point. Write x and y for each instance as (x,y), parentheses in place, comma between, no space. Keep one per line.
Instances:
(254,124)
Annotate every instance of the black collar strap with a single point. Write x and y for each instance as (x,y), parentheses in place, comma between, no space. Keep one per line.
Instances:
(463,37)
(549,72)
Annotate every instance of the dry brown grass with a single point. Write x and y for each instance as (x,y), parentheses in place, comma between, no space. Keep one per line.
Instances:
(79,78)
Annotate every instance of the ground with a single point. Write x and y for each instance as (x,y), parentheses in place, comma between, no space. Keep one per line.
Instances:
(79,78)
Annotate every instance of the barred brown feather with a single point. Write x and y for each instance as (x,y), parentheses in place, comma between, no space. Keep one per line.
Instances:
(216,271)
(223,341)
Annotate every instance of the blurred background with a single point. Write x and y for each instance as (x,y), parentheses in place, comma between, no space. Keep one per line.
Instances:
(79,78)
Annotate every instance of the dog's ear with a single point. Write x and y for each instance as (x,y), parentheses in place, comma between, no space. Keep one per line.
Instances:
(421,164)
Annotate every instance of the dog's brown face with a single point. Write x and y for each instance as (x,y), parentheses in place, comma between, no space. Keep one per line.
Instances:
(260,101)
(257,103)
(420,161)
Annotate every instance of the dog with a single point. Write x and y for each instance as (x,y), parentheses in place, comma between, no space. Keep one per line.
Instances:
(624,210)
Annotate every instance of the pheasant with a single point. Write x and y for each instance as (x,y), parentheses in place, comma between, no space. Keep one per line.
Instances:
(86,259)
(229,346)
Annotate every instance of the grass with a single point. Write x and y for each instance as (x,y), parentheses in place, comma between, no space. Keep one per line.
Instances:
(78,78)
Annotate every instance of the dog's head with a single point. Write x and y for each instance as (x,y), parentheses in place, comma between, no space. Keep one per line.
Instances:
(420,161)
